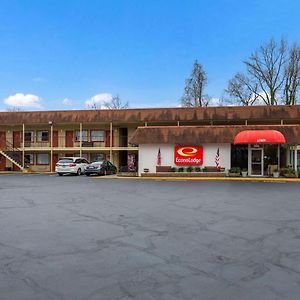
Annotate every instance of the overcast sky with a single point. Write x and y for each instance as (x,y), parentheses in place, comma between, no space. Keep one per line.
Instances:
(65,54)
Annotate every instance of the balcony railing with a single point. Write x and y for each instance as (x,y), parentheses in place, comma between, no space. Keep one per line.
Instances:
(63,142)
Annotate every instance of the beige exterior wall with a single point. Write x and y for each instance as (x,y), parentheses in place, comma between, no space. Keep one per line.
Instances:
(88,151)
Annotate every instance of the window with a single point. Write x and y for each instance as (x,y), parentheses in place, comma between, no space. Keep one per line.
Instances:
(97,136)
(43,136)
(84,136)
(42,159)
(85,155)
(97,156)
(28,136)
(28,159)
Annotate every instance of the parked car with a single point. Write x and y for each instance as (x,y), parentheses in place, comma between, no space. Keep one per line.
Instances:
(103,167)
(71,165)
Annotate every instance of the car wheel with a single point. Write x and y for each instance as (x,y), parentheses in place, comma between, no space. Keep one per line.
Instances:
(87,174)
(60,174)
(79,172)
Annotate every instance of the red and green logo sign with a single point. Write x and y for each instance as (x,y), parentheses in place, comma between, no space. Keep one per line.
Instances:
(188,155)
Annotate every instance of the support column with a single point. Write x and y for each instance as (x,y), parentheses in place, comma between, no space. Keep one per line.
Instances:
(295,158)
(23,146)
(278,157)
(111,142)
(51,147)
(80,139)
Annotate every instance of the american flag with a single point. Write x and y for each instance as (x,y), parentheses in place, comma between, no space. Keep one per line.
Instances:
(159,157)
(217,158)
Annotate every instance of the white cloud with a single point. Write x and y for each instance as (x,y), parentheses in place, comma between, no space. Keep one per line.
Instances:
(67,101)
(98,100)
(23,100)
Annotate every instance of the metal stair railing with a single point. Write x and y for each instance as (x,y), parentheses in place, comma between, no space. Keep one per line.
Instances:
(14,154)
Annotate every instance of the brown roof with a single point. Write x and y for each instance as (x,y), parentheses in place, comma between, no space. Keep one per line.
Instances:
(195,135)
(154,115)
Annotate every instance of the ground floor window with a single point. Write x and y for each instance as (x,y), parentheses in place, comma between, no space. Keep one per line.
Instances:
(42,159)
(239,156)
(97,157)
(29,159)
(85,155)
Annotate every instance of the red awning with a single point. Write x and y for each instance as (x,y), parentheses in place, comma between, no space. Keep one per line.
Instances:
(259,137)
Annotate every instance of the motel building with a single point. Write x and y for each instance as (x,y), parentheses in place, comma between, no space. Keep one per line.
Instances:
(257,138)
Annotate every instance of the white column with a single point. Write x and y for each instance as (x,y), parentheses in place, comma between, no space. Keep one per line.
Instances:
(295,158)
(111,142)
(80,140)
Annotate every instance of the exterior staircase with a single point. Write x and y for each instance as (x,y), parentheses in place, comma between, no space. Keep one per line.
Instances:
(13,154)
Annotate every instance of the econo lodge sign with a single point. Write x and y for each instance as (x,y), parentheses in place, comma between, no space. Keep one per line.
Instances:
(188,155)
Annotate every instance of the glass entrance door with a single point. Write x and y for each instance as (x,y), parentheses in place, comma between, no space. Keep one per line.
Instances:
(256,163)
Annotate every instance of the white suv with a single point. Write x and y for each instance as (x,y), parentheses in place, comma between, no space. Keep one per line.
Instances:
(71,165)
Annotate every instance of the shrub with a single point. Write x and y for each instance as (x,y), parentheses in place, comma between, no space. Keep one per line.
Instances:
(189,169)
(181,169)
(235,170)
(173,169)
(197,169)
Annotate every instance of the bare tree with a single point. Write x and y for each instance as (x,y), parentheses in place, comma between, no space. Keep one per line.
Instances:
(116,103)
(292,76)
(266,67)
(14,109)
(194,86)
(242,90)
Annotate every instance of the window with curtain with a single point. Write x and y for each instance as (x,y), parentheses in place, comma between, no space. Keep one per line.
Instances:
(43,136)
(84,136)
(42,159)
(97,135)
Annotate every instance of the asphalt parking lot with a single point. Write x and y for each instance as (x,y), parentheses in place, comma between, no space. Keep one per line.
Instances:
(82,238)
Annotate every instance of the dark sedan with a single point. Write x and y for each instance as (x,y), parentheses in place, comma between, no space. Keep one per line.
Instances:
(104,167)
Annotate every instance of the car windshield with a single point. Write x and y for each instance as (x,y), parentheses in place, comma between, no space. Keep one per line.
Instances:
(65,160)
(96,163)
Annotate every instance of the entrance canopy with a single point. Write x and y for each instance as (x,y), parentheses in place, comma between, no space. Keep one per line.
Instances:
(259,137)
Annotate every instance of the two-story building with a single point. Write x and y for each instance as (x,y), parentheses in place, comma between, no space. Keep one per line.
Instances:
(131,138)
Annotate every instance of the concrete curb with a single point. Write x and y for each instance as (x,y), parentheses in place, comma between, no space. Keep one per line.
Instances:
(203,178)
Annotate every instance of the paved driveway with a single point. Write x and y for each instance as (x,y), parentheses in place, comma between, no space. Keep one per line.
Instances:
(81,238)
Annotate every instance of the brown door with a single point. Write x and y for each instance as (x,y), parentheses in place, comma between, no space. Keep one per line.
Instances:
(2,163)
(55,139)
(69,138)
(16,139)
(54,161)
(2,140)
(107,139)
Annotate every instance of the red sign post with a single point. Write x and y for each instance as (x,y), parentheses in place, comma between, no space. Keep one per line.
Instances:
(188,155)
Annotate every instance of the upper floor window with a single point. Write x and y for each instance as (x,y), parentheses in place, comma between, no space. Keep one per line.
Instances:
(97,135)
(28,136)
(43,136)
(84,136)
